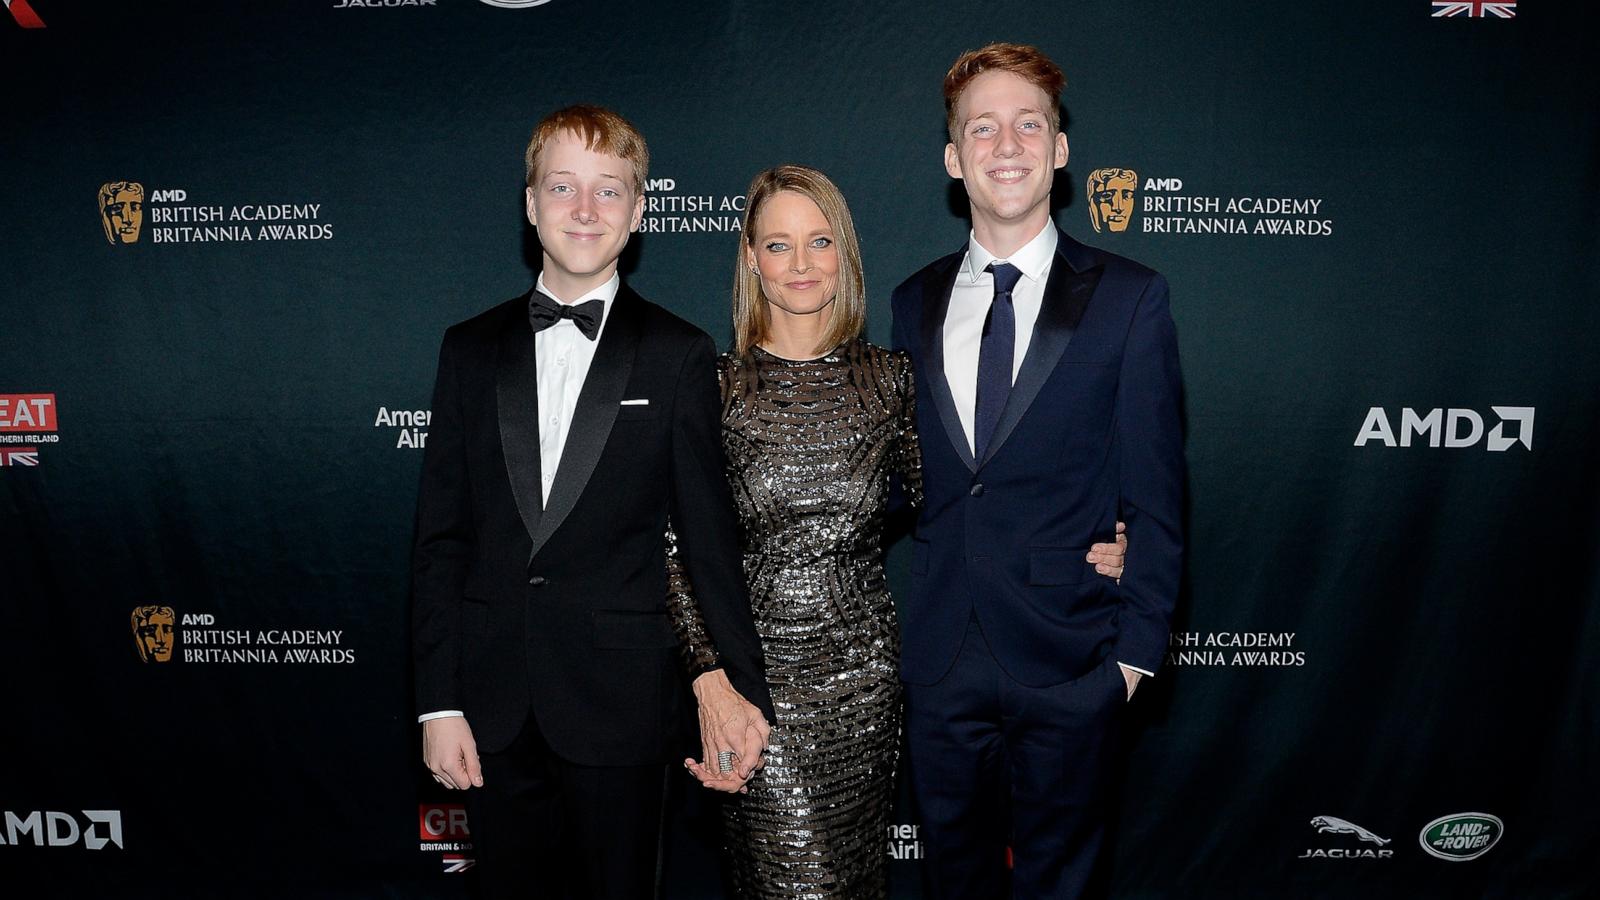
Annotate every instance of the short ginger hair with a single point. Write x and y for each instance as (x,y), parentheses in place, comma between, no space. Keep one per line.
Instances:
(1026,62)
(602,131)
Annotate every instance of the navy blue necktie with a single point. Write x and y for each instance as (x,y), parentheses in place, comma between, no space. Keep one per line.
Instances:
(996,355)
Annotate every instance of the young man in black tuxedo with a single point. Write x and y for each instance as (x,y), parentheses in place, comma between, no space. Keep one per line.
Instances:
(569,424)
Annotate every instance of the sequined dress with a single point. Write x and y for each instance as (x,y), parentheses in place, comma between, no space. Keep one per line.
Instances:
(812,448)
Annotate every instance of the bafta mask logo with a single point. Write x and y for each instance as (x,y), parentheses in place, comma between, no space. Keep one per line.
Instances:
(122,210)
(1111,198)
(152,632)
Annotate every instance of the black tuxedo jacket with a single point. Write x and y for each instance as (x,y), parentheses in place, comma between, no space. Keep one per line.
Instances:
(561,611)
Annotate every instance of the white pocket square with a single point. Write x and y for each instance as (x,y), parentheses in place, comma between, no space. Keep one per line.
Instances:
(636,403)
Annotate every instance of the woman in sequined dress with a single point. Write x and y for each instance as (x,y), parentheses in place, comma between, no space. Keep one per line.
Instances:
(817,427)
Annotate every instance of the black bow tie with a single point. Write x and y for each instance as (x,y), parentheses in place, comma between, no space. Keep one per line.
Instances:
(544,311)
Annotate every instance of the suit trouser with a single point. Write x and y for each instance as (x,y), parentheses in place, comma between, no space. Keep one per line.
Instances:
(544,827)
(995,764)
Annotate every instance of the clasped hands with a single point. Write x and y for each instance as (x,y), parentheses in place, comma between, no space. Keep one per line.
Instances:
(728,723)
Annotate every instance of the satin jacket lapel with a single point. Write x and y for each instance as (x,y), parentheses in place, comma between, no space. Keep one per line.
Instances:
(1073,278)
(596,412)
(936,290)
(517,404)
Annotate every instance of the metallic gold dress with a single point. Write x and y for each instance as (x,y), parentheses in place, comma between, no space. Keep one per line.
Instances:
(812,448)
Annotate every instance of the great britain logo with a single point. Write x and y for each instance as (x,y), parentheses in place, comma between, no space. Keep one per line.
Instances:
(443,828)
(27,422)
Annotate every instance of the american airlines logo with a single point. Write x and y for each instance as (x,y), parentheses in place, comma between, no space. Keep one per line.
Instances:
(96,828)
(1452,428)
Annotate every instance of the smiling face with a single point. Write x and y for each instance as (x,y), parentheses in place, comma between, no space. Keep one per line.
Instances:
(1006,152)
(584,206)
(795,254)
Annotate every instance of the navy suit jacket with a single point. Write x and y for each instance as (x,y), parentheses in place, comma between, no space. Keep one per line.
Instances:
(1090,433)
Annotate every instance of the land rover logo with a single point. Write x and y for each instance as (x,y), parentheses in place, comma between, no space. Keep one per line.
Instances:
(1461,836)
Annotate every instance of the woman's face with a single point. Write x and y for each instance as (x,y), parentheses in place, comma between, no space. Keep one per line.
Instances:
(795,254)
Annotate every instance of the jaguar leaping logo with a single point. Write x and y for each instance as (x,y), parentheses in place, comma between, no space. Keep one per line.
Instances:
(1325,824)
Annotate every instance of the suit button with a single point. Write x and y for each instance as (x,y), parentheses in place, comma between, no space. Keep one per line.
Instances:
(977,490)
(537,581)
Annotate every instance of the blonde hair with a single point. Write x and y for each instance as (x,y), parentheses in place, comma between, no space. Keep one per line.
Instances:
(752,321)
(602,131)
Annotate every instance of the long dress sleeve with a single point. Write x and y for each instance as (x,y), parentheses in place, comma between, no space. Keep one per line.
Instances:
(698,650)
(907,463)
(699,653)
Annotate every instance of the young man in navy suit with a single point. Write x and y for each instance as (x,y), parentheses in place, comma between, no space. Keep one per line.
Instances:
(1049,386)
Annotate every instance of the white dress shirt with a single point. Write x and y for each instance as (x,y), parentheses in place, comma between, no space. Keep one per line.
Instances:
(970,300)
(562,356)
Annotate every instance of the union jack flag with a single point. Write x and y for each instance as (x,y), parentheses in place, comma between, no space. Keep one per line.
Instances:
(19,456)
(1475,9)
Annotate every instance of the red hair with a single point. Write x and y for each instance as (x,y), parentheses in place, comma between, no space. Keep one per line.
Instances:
(1021,60)
(602,131)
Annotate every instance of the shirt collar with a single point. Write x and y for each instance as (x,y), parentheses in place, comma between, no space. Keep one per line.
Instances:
(606,292)
(1033,259)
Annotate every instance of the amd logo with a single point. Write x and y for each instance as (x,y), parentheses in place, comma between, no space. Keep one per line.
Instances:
(59,829)
(1449,428)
